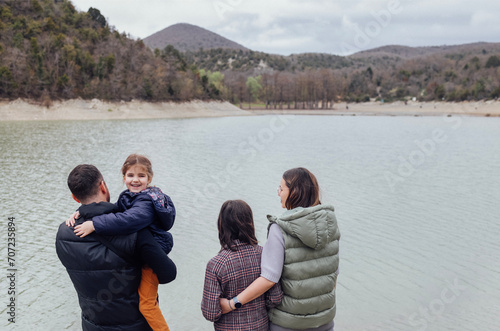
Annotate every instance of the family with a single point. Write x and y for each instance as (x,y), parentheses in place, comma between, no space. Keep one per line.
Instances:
(117,254)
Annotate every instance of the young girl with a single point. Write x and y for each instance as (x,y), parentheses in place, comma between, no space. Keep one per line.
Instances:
(141,206)
(235,267)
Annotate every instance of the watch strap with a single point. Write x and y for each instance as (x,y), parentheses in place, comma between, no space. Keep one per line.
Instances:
(237,303)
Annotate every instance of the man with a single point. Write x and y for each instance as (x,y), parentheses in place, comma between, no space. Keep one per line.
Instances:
(106,270)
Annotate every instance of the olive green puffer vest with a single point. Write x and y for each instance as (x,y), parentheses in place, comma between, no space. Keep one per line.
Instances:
(309,272)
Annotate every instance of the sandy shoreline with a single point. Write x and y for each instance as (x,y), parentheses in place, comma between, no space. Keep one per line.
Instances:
(477,108)
(21,110)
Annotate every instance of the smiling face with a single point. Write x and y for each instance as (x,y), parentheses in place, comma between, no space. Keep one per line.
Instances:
(136,178)
(283,192)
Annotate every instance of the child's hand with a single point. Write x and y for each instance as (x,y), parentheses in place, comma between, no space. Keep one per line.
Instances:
(71,220)
(84,229)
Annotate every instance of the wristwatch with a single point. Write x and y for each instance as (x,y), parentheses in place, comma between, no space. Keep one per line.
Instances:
(237,303)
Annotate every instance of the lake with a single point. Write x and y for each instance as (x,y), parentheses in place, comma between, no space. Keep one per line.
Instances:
(417,200)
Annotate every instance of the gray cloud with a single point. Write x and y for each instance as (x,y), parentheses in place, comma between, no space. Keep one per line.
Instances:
(294,26)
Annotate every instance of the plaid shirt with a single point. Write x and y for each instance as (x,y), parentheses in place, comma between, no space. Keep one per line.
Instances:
(228,274)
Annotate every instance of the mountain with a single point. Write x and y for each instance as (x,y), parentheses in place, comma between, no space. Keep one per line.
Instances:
(406,52)
(188,37)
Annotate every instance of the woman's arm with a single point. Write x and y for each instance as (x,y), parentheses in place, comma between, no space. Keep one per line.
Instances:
(137,217)
(253,291)
(273,256)
(274,296)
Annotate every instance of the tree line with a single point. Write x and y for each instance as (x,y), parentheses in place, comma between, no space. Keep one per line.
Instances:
(49,51)
(312,81)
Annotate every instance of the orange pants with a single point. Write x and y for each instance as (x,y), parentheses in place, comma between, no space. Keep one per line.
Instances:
(148,301)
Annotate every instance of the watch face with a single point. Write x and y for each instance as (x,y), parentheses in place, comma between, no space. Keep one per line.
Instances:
(237,303)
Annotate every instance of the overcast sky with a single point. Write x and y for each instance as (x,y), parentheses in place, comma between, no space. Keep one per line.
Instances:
(322,26)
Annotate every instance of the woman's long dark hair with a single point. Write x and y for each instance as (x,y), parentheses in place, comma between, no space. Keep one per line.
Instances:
(235,222)
(304,188)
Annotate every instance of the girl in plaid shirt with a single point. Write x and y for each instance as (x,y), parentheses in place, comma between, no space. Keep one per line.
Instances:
(235,267)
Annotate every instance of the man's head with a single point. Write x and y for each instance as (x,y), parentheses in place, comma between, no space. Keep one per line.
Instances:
(86,184)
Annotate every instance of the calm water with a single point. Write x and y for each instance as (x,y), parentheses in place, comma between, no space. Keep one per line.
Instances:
(416,199)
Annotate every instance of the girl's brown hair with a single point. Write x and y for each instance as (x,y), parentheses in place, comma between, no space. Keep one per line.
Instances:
(137,159)
(304,188)
(235,222)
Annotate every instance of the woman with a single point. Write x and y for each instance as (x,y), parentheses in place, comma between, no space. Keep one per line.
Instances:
(235,267)
(301,253)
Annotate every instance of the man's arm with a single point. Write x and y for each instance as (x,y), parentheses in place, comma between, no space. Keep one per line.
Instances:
(152,254)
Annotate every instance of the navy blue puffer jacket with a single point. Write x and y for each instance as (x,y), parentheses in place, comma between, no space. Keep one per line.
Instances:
(149,208)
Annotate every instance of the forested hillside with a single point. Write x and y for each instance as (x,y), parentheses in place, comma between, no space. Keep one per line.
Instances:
(48,51)
(452,73)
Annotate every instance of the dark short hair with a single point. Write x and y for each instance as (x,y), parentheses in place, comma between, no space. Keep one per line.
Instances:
(84,181)
(304,188)
(236,222)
